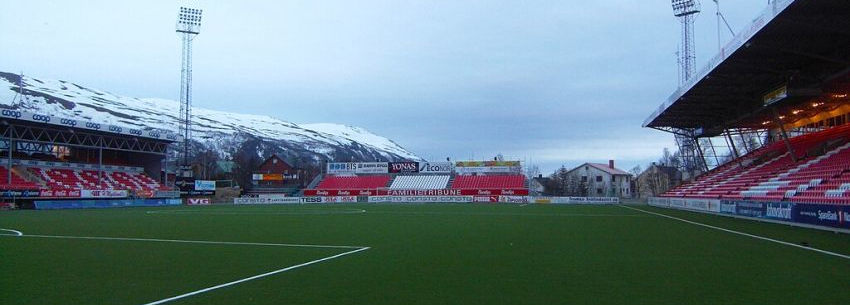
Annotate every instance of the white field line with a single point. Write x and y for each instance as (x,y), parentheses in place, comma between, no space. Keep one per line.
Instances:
(504,214)
(17,233)
(256,277)
(743,234)
(207,242)
(356,249)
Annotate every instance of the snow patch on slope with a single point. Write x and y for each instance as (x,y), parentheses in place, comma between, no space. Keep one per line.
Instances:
(67,99)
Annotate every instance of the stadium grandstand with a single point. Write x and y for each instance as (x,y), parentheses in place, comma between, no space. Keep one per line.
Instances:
(466,178)
(54,162)
(786,80)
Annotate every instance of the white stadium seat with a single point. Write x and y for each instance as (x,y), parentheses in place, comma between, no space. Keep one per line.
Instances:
(424,182)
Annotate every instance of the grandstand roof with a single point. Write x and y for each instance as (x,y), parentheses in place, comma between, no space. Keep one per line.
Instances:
(801,45)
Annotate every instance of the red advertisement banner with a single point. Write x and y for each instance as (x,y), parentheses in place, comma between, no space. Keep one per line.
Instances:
(60,193)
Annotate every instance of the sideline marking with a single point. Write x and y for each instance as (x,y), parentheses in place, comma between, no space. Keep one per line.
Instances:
(256,277)
(356,249)
(17,233)
(423,213)
(183,241)
(742,233)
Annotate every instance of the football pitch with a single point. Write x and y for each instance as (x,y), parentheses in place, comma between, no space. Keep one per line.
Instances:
(414,254)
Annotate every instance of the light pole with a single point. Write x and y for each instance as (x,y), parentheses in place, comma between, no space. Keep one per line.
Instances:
(188,26)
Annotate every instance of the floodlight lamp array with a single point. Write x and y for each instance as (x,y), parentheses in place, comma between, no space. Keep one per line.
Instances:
(189,21)
(685,7)
(189,16)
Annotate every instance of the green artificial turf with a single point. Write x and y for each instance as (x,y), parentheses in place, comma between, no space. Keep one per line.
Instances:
(419,254)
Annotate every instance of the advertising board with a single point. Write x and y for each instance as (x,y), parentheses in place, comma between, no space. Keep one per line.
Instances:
(90,125)
(584,200)
(544,200)
(104,203)
(372,168)
(20,193)
(707,205)
(349,168)
(197,201)
(166,194)
(404,167)
(60,193)
(513,199)
(822,215)
(103,193)
(728,207)
(204,185)
(659,201)
(778,210)
(267,200)
(421,199)
(339,199)
(436,167)
(485,199)
(440,192)
(486,163)
(750,208)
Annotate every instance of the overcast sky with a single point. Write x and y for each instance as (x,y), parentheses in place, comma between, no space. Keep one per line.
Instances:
(551,82)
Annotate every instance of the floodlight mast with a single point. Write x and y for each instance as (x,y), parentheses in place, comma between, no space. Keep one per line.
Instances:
(686,11)
(188,26)
(690,151)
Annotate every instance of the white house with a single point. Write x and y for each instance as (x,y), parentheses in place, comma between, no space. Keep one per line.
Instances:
(603,180)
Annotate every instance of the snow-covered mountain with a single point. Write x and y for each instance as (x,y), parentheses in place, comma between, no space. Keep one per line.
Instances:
(221,131)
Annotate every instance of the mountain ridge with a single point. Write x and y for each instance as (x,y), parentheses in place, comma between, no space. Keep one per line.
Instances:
(220,131)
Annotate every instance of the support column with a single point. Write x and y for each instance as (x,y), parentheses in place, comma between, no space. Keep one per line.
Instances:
(9,160)
(734,149)
(701,155)
(784,135)
(100,165)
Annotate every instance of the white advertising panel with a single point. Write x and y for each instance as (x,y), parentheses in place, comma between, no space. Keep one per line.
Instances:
(513,199)
(349,168)
(103,193)
(266,200)
(204,185)
(436,167)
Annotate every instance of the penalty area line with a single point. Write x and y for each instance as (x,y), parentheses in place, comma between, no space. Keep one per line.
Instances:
(742,233)
(17,233)
(256,277)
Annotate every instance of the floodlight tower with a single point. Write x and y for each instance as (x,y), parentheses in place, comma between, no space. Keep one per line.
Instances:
(188,26)
(686,11)
(689,148)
